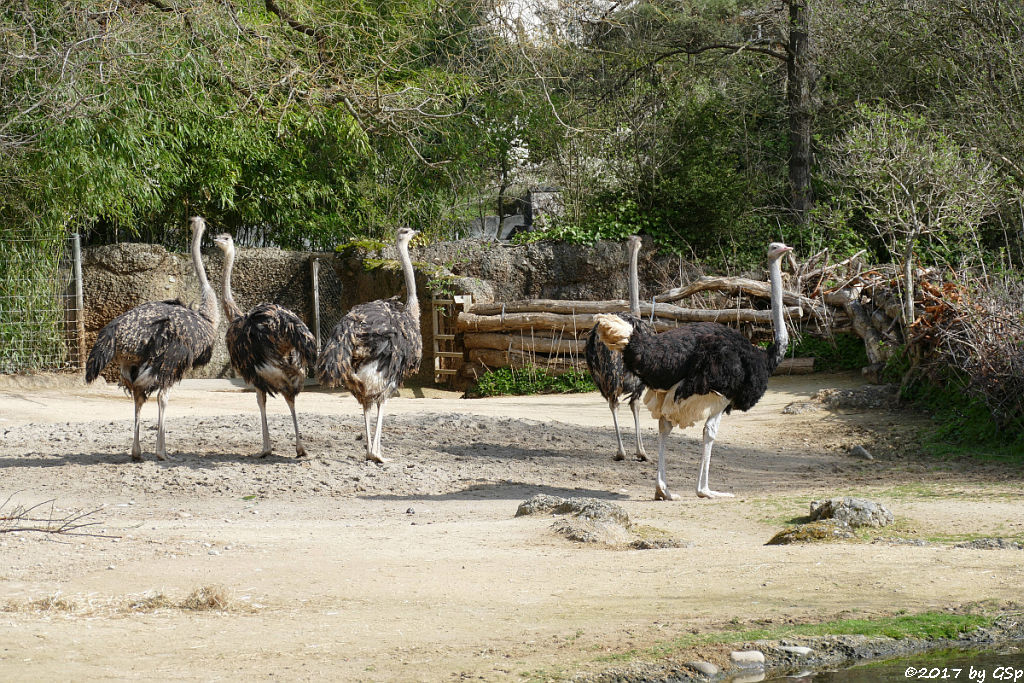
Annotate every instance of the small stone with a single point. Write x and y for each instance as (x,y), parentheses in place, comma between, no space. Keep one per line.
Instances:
(410,511)
(213,552)
(747,657)
(706,668)
(798,650)
(111,566)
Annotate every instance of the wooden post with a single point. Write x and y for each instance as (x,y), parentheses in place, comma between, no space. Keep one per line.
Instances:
(314,264)
(76,245)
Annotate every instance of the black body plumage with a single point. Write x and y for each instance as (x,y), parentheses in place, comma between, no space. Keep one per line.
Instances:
(379,339)
(271,337)
(155,344)
(702,358)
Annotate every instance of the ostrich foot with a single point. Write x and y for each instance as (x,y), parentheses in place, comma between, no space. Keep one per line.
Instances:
(708,493)
(266,452)
(300,452)
(662,493)
(136,456)
(162,456)
(377,458)
(619,456)
(640,456)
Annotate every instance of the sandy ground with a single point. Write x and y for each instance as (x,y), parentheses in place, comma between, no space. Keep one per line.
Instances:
(335,568)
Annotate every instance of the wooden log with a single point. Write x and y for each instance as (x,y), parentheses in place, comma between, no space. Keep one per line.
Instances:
(739,285)
(550,306)
(795,366)
(493,358)
(471,322)
(524,342)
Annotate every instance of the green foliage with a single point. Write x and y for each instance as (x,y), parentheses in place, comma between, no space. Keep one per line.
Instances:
(532,380)
(32,315)
(962,423)
(839,353)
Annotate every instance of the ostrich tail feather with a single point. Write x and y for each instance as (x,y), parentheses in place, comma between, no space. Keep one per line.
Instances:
(613,331)
(101,354)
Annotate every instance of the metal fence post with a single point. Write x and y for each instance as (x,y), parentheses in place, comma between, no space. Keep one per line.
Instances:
(76,243)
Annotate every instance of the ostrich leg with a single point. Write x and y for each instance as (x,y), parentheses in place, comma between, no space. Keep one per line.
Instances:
(136,448)
(366,427)
(161,403)
(613,404)
(300,451)
(710,432)
(661,491)
(261,399)
(641,454)
(375,453)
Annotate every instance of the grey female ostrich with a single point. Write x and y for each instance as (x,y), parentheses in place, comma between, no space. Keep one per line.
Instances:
(612,377)
(699,371)
(375,347)
(156,343)
(270,347)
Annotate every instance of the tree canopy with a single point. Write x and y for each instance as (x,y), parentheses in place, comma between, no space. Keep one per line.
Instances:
(712,125)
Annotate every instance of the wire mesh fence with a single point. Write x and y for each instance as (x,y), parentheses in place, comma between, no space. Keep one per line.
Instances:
(40,304)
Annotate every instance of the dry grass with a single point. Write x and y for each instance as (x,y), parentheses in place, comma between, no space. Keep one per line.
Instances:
(211,598)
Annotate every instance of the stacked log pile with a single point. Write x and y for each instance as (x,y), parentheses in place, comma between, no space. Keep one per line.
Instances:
(821,299)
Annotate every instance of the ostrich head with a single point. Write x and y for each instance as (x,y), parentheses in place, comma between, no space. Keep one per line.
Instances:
(224,242)
(197,224)
(776,250)
(405,236)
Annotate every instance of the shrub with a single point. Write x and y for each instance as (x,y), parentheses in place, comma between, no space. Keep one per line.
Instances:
(532,380)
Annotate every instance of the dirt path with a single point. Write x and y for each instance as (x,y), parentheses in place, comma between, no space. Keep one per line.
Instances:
(418,570)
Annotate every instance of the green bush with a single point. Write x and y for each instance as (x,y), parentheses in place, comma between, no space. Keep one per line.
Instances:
(842,352)
(532,380)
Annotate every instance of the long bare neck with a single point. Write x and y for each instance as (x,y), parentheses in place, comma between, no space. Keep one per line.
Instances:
(634,280)
(777,351)
(412,304)
(207,299)
(231,310)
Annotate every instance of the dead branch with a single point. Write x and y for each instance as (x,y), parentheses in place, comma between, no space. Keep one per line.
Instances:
(22,518)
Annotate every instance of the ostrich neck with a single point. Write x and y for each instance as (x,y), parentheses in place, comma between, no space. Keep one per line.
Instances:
(412,304)
(208,300)
(777,351)
(634,284)
(230,308)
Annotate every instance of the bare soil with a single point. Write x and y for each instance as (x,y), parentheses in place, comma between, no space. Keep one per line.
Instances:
(335,568)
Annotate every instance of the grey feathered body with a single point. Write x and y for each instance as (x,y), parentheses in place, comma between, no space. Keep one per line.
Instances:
(154,345)
(270,347)
(612,377)
(372,350)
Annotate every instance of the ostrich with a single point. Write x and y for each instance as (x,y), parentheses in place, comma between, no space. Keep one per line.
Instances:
(698,372)
(375,347)
(156,343)
(606,367)
(270,347)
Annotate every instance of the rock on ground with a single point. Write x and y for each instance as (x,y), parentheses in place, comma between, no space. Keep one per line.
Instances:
(857,512)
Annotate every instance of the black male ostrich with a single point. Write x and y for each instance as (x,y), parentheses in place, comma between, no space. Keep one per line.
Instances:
(612,377)
(270,347)
(375,347)
(699,371)
(156,343)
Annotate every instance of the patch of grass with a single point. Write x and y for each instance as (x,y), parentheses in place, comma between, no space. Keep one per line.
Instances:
(927,625)
(206,598)
(842,352)
(532,380)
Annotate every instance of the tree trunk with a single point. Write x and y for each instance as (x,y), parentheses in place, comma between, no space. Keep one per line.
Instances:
(908,279)
(799,92)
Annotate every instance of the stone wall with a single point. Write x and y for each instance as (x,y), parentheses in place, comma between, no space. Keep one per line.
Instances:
(119,277)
